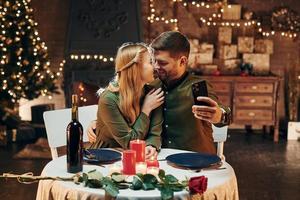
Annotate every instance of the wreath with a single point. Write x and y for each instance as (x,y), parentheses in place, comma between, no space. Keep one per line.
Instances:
(285,19)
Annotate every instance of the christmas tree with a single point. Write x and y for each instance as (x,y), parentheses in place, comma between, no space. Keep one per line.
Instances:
(24,63)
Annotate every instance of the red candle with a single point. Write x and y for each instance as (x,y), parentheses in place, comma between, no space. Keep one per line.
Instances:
(129,160)
(139,146)
(152,162)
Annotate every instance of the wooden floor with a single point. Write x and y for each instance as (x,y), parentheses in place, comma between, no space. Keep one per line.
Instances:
(264,170)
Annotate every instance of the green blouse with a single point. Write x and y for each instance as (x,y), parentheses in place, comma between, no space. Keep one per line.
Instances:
(113,131)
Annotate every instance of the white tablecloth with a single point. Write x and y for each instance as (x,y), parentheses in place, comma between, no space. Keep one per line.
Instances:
(222,184)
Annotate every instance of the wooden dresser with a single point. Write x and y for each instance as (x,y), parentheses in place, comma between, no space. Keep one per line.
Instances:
(253,100)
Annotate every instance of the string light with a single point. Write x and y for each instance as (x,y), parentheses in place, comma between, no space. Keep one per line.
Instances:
(279,33)
(153,18)
(81,91)
(246,23)
(91,57)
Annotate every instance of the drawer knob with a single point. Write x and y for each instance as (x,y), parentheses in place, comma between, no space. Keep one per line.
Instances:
(254,87)
(251,114)
(252,100)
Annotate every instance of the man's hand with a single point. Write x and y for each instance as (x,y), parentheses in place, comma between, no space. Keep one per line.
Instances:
(212,113)
(150,152)
(90,132)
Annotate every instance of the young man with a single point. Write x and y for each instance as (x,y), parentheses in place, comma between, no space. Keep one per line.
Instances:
(186,126)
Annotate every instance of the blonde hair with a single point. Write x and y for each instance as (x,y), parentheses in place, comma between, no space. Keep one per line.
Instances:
(129,68)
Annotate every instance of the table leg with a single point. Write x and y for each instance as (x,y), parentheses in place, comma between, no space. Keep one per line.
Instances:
(276,132)
(248,129)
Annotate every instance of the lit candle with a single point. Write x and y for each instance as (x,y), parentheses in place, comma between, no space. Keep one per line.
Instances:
(152,162)
(141,168)
(138,146)
(153,170)
(114,168)
(128,161)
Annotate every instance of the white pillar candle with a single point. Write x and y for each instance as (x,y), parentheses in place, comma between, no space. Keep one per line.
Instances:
(153,170)
(141,168)
(114,168)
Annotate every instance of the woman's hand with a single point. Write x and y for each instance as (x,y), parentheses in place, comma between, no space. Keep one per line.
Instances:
(151,152)
(91,132)
(153,100)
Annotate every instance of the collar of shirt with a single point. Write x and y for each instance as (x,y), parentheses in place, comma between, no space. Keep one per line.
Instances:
(174,83)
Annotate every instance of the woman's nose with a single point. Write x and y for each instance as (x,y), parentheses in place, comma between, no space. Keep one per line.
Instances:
(156,66)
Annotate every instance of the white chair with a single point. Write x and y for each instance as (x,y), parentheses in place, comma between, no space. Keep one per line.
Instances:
(56,122)
(220,136)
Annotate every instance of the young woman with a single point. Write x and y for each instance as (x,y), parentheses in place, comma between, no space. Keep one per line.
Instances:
(127,110)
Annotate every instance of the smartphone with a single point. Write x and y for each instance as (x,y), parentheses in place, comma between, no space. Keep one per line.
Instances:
(200,89)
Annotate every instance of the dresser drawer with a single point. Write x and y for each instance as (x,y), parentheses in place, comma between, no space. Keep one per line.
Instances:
(221,87)
(253,115)
(224,100)
(253,101)
(254,87)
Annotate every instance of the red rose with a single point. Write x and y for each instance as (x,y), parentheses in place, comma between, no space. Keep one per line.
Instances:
(198,184)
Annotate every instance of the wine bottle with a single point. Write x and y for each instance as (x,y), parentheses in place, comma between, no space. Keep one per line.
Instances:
(74,140)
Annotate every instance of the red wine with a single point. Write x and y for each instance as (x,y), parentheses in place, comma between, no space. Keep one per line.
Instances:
(74,140)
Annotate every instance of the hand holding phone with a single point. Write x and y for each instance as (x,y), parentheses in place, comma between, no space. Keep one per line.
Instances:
(200,89)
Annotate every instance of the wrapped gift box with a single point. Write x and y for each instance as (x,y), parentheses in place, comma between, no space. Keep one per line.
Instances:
(228,51)
(260,62)
(231,12)
(196,59)
(224,35)
(192,61)
(293,131)
(263,46)
(206,48)
(228,67)
(245,44)
(194,45)
(204,58)
(208,69)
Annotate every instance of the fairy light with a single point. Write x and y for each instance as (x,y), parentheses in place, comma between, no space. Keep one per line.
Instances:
(153,18)
(90,57)
(215,20)
(81,92)
(282,34)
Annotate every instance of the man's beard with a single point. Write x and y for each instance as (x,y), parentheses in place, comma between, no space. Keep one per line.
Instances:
(161,74)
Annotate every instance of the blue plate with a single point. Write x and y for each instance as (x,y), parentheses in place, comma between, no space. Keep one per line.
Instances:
(193,160)
(102,156)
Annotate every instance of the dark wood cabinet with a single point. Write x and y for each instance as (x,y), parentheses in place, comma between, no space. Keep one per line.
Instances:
(253,100)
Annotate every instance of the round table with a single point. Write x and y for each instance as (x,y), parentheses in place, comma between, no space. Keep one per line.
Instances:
(222,184)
